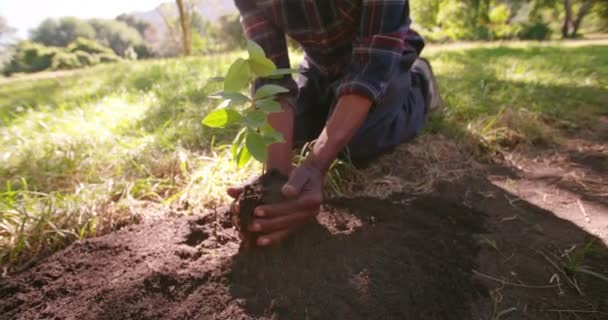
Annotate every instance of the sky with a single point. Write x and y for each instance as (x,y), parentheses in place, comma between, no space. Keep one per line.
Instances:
(27,14)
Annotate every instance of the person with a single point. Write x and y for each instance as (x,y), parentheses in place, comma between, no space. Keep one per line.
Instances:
(361,90)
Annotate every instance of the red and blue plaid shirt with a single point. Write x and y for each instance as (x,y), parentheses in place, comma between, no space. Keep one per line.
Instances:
(362,43)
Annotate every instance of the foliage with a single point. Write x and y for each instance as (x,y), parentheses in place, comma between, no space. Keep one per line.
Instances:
(34,57)
(116,35)
(87,59)
(62,60)
(6,33)
(440,20)
(226,34)
(62,32)
(139,25)
(534,31)
(255,134)
(88,46)
(31,57)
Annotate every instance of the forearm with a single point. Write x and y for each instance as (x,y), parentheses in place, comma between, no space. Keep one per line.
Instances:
(348,116)
(279,154)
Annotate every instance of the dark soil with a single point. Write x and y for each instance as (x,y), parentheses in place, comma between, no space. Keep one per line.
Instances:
(264,190)
(442,256)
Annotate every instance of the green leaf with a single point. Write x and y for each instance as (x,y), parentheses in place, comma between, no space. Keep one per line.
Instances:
(234,96)
(238,76)
(260,65)
(283,72)
(269,90)
(237,142)
(220,118)
(268,105)
(270,135)
(257,146)
(255,119)
(243,156)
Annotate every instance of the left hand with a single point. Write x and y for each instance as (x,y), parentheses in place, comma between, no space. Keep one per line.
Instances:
(304,194)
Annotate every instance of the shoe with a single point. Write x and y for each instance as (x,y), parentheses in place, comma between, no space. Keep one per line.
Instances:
(423,67)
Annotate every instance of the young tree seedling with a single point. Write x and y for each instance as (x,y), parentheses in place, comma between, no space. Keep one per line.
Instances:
(250,113)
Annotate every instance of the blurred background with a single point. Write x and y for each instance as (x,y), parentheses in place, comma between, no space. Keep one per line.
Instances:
(66,34)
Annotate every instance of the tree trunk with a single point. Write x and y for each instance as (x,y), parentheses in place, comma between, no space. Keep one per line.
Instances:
(567,19)
(186,24)
(582,12)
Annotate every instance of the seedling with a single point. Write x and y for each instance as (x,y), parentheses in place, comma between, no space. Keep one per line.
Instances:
(250,113)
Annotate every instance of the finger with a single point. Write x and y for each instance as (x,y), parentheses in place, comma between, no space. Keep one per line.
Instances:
(296,183)
(281,223)
(274,238)
(234,192)
(287,207)
(235,207)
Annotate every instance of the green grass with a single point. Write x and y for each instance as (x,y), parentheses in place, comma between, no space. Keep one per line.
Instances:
(90,151)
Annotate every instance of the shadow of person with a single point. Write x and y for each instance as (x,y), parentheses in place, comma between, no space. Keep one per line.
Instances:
(367,259)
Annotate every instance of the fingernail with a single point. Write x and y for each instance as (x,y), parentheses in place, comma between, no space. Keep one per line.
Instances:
(263,241)
(255,227)
(260,212)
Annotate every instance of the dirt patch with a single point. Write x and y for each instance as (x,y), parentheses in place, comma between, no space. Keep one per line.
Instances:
(464,252)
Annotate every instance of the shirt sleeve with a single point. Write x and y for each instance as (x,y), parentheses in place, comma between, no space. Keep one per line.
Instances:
(384,44)
(258,28)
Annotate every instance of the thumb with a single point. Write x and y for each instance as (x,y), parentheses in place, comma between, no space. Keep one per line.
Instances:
(296,183)
(234,192)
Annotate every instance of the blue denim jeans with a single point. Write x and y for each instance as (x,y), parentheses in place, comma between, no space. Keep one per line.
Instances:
(396,119)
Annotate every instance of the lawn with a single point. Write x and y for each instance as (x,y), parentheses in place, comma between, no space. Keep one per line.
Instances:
(88,152)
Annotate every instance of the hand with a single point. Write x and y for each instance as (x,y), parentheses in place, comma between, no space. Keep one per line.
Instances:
(304,194)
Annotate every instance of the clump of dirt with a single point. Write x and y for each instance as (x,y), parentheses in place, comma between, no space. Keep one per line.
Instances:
(264,190)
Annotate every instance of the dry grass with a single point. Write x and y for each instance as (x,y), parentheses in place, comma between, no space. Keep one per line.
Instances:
(415,168)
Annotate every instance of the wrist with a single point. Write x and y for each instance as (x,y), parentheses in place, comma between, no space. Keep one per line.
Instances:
(280,154)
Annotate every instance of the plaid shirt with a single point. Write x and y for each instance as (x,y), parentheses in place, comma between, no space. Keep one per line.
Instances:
(362,43)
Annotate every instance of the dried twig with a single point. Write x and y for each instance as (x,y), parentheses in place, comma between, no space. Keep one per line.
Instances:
(507,283)
(580,205)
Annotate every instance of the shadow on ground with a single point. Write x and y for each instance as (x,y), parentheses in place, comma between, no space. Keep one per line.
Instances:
(468,251)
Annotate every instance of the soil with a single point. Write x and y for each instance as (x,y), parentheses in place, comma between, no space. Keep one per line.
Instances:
(264,190)
(468,251)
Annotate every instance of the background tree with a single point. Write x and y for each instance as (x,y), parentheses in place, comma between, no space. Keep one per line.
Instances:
(139,25)
(61,33)
(572,21)
(116,35)
(6,34)
(185,17)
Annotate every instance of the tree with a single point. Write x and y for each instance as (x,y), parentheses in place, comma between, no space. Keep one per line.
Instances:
(6,34)
(116,35)
(139,25)
(61,33)
(572,21)
(185,17)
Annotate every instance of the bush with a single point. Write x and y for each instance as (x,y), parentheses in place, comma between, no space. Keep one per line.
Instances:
(88,46)
(64,61)
(108,58)
(143,51)
(534,31)
(87,59)
(31,57)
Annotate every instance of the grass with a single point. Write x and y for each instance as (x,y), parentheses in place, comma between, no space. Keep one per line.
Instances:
(86,152)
